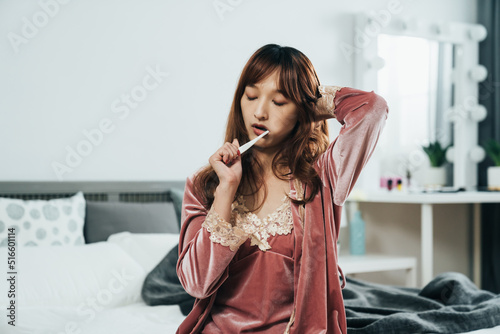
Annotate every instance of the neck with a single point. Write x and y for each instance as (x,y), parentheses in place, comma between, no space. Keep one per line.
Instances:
(266,157)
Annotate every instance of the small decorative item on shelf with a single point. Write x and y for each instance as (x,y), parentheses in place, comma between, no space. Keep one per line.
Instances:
(492,148)
(357,234)
(391,183)
(436,174)
(399,184)
(408,178)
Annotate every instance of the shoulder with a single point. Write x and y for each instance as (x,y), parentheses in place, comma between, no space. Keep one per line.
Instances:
(191,193)
(193,178)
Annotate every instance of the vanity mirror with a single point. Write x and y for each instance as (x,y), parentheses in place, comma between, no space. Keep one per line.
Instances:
(429,74)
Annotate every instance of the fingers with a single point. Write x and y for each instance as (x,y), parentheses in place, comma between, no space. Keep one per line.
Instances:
(325,106)
(228,152)
(236,143)
(226,163)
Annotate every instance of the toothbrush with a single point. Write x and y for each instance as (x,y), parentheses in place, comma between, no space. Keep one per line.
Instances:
(245,147)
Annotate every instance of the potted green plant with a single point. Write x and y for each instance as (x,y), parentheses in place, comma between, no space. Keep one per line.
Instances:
(492,148)
(436,174)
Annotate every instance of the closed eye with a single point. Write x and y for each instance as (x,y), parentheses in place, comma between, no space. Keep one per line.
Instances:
(279,104)
(251,98)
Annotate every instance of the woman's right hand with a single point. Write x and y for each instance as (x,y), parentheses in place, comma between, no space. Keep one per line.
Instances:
(226,163)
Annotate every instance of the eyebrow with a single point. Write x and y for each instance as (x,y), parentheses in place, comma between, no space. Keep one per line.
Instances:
(276,90)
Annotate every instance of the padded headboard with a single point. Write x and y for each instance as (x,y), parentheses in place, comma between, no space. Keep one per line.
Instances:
(113,191)
(112,206)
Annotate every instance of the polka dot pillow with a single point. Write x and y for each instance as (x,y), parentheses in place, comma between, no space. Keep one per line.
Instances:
(43,223)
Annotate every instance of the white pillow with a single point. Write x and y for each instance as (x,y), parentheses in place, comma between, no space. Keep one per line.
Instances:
(148,249)
(43,223)
(98,275)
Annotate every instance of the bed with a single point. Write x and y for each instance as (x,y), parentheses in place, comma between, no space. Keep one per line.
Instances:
(84,270)
(68,285)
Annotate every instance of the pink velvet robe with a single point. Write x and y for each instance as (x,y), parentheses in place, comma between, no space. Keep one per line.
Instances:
(204,266)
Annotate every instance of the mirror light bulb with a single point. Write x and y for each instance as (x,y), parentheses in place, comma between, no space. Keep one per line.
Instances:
(477,154)
(450,154)
(478,33)
(478,113)
(478,73)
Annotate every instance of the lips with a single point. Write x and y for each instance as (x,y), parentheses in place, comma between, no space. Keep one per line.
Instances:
(259,126)
(258,129)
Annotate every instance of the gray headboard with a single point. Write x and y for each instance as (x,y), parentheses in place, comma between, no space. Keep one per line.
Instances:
(112,206)
(113,191)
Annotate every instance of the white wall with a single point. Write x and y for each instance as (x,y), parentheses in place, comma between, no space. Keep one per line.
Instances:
(66,75)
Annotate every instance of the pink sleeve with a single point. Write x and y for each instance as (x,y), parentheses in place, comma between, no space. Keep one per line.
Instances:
(207,244)
(363,116)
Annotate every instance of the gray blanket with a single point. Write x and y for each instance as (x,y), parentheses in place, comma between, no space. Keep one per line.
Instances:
(162,286)
(450,303)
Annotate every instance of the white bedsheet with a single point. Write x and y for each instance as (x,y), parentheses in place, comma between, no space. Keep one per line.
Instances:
(131,319)
(57,296)
(494,330)
(136,318)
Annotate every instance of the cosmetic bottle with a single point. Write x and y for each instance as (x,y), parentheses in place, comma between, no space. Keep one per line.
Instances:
(389,184)
(357,234)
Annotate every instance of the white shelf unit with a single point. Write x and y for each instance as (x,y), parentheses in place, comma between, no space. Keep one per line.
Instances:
(427,202)
(357,264)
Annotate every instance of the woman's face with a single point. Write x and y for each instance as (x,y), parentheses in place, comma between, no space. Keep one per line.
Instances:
(264,107)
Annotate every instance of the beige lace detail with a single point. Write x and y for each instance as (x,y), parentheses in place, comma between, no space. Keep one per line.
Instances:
(290,322)
(300,196)
(223,232)
(280,222)
(245,224)
(326,104)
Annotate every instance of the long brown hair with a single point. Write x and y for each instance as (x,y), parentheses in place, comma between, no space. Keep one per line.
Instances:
(298,81)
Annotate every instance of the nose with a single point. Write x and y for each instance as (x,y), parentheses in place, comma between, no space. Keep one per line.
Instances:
(261,112)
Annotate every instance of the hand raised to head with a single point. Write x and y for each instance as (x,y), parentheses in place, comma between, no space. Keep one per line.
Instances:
(325,106)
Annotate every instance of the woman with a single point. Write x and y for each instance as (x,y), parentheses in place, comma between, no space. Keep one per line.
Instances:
(258,239)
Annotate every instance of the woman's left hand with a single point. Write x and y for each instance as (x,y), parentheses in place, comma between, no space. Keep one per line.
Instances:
(325,106)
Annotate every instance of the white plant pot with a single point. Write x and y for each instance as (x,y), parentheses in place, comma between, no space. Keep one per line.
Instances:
(435,176)
(494,178)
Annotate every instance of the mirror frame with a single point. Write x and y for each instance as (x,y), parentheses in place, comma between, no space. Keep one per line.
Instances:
(467,73)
